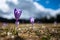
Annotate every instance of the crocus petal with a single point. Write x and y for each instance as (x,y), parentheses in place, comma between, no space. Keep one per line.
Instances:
(32,20)
(17,13)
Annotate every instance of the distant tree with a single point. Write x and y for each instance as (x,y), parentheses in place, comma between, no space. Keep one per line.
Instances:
(58,18)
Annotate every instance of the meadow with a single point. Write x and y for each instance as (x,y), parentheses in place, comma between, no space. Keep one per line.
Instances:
(39,31)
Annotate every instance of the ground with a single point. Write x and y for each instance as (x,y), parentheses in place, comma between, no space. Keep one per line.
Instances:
(37,31)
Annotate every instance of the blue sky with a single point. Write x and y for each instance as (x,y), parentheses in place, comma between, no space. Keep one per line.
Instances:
(30,8)
(54,4)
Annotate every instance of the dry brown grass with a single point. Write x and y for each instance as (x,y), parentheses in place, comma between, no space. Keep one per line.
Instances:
(26,32)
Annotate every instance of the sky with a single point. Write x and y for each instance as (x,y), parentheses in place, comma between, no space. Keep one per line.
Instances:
(30,8)
(53,4)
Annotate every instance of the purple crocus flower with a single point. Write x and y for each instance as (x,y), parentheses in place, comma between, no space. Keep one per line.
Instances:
(4,24)
(17,14)
(32,20)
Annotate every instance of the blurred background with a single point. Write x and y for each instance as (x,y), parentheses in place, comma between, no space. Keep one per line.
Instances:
(45,11)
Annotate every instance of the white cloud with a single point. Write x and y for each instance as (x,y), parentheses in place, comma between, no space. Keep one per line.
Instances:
(3,6)
(13,1)
(51,11)
(38,6)
(29,8)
